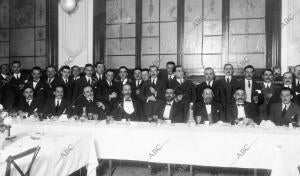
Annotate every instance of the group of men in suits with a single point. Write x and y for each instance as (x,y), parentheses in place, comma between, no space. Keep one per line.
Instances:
(149,94)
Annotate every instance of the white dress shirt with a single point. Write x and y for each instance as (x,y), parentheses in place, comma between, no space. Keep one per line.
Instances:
(241,112)
(29,102)
(167,110)
(210,83)
(170,76)
(88,79)
(35,83)
(180,81)
(248,90)
(288,86)
(109,83)
(4,76)
(128,106)
(124,81)
(228,77)
(287,106)
(57,102)
(17,76)
(153,80)
(267,85)
(138,83)
(99,77)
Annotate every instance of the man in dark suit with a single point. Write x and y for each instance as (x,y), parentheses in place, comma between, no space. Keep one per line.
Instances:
(84,81)
(286,111)
(228,83)
(271,93)
(252,88)
(39,86)
(90,104)
(137,81)
(297,85)
(152,92)
(208,110)
(75,73)
(51,74)
(29,104)
(169,75)
(15,86)
(184,89)
(108,90)
(136,90)
(123,75)
(58,105)
(4,79)
(100,72)
(219,93)
(242,110)
(170,109)
(66,82)
(145,74)
(126,107)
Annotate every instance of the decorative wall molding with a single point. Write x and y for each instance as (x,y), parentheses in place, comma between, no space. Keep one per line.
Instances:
(76,35)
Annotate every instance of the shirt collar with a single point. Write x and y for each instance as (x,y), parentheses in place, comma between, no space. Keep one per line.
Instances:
(226,77)
(172,76)
(171,102)
(289,86)
(287,106)
(88,78)
(267,84)
(57,100)
(3,75)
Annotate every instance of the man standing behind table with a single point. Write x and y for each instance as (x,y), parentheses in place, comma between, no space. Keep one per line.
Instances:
(271,93)
(169,75)
(29,104)
(228,83)
(145,74)
(208,109)
(297,85)
(136,90)
(75,73)
(242,110)
(65,81)
(57,105)
(88,101)
(4,79)
(84,81)
(108,90)
(184,89)
(100,72)
(219,92)
(15,87)
(126,107)
(39,86)
(152,92)
(286,111)
(171,109)
(252,89)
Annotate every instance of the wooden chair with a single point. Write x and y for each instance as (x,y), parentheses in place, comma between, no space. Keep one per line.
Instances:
(11,160)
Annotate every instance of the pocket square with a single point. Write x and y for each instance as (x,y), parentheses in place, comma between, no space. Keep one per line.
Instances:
(297,93)
(258,91)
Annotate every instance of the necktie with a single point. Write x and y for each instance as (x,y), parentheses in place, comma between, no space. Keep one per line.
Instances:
(268,86)
(66,81)
(170,78)
(284,111)
(249,84)
(28,102)
(49,80)
(209,84)
(89,81)
(153,81)
(57,106)
(228,81)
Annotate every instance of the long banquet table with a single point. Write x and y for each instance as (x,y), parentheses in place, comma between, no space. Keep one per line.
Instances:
(273,149)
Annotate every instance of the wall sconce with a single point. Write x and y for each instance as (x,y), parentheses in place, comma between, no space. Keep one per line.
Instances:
(68,6)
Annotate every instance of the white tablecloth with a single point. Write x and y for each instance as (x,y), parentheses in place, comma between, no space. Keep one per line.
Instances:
(277,149)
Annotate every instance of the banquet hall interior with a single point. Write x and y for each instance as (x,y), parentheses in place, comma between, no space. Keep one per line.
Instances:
(132,37)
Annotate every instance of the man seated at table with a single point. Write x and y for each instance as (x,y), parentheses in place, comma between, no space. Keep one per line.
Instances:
(88,101)
(208,109)
(171,109)
(126,107)
(29,104)
(286,111)
(242,111)
(58,105)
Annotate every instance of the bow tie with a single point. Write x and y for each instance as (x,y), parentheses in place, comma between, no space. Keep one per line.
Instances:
(127,99)
(240,104)
(35,81)
(168,104)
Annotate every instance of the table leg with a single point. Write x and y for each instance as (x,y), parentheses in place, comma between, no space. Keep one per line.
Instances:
(169,170)
(109,167)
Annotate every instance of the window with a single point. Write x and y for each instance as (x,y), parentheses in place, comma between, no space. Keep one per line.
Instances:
(120,33)
(159,32)
(23,32)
